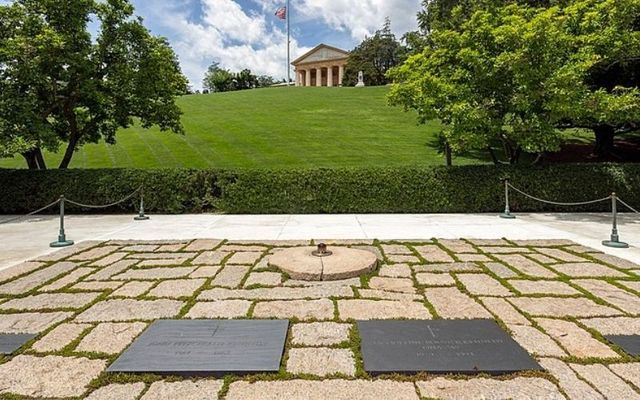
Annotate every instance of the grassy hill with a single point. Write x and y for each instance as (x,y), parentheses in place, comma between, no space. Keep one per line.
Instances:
(273,128)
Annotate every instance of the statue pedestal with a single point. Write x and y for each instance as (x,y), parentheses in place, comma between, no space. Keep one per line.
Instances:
(360,84)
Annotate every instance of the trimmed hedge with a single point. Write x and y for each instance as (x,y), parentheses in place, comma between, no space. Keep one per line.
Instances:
(464,189)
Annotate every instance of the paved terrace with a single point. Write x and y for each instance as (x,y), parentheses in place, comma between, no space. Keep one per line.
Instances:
(31,238)
(556,298)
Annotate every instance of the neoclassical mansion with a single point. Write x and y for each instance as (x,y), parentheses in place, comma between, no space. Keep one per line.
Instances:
(322,66)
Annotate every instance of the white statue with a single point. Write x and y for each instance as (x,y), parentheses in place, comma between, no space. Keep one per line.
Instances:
(360,79)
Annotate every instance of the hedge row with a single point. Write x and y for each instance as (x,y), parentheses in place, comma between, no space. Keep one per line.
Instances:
(464,189)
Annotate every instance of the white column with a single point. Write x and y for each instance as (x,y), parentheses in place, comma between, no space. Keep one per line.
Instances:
(330,76)
(319,77)
(340,75)
(307,75)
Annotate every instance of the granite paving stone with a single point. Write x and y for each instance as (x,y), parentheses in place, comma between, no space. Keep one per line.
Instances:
(278,293)
(50,301)
(609,384)
(321,361)
(484,388)
(67,280)
(434,254)
(97,286)
(448,267)
(526,266)
(133,289)
(505,250)
(614,326)
(574,387)
(334,389)
(381,309)
(36,278)
(94,253)
(401,285)
(578,342)
(220,309)
(231,276)
(322,309)
(229,248)
(320,333)
(504,310)
(457,246)
(586,270)
(130,310)
(562,307)
(163,256)
(542,259)
(429,279)
(473,257)
(205,272)
(396,249)
(611,294)
(177,288)
(326,284)
(111,338)
(561,255)
(59,337)
(542,287)
(633,285)
(118,391)
(184,390)
(203,244)
(483,285)
(615,261)
(20,269)
(162,263)
(500,270)
(395,271)
(451,303)
(577,248)
(536,342)
(50,376)
(489,242)
(113,269)
(381,294)
(629,372)
(210,258)
(543,242)
(244,258)
(140,248)
(401,259)
(69,251)
(170,248)
(154,273)
(263,279)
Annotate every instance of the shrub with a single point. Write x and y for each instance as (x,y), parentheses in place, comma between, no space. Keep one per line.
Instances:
(464,189)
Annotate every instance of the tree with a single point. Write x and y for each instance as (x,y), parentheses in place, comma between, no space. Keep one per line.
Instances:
(517,74)
(58,86)
(218,79)
(374,57)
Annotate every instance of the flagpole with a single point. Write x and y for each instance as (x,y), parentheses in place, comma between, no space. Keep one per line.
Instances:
(288,42)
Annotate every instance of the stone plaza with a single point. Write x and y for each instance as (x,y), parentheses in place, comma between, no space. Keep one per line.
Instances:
(88,303)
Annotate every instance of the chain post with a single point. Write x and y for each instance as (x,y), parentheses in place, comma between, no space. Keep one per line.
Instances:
(141,216)
(62,237)
(615,238)
(507,211)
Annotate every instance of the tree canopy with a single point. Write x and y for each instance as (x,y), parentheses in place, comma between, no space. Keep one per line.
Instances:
(519,74)
(374,57)
(218,79)
(59,85)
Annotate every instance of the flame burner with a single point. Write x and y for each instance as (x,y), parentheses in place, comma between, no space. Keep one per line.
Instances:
(322,251)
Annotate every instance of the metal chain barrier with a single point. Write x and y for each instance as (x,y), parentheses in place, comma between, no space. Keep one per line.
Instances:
(75,203)
(615,238)
(30,214)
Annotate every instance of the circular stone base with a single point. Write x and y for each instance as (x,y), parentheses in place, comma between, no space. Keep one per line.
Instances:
(345,263)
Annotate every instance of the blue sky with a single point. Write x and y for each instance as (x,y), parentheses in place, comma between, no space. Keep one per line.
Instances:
(246,34)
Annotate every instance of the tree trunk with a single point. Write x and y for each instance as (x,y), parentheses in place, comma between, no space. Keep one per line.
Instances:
(604,140)
(68,154)
(34,159)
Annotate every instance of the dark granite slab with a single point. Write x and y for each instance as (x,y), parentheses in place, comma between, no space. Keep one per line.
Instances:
(206,348)
(441,347)
(629,343)
(11,342)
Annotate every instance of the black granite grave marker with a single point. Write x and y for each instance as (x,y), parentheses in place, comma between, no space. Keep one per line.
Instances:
(10,342)
(441,346)
(206,348)
(629,343)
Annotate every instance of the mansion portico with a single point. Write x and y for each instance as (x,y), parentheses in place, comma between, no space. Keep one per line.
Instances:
(322,66)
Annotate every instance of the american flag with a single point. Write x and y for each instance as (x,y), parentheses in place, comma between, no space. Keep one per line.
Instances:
(282,13)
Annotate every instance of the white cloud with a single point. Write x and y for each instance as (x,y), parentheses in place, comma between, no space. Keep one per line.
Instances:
(362,17)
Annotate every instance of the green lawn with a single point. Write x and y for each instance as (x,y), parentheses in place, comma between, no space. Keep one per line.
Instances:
(274,128)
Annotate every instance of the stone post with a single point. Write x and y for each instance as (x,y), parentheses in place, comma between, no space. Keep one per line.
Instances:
(340,75)
(330,76)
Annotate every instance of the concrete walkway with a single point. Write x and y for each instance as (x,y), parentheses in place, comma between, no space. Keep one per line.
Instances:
(30,238)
